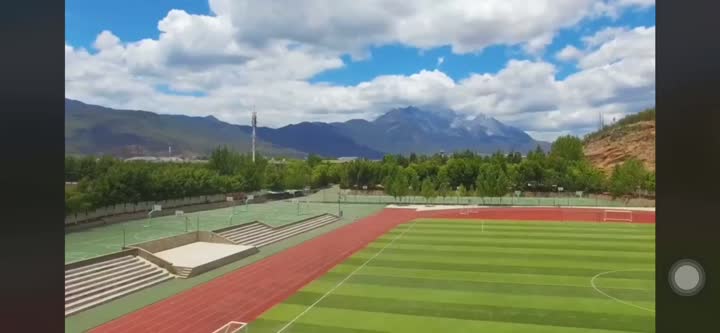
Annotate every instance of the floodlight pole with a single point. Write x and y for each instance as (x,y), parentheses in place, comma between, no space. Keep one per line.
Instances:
(339,203)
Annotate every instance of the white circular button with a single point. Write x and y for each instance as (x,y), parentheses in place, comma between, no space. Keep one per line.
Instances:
(687,277)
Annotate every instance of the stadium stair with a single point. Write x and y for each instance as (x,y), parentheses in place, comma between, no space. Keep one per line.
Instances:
(258,234)
(101,282)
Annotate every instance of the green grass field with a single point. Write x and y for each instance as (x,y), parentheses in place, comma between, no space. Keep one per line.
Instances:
(474,276)
(109,238)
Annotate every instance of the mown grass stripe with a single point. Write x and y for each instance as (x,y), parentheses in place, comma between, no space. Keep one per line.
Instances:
(490,230)
(539,228)
(431,257)
(526,237)
(399,323)
(269,325)
(607,281)
(561,303)
(500,254)
(443,266)
(629,247)
(497,287)
(648,256)
(635,323)
(541,224)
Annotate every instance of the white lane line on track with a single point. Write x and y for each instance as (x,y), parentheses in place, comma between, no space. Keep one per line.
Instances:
(344,280)
(592,283)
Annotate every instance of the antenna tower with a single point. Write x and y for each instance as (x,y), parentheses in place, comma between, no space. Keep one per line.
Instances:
(254,125)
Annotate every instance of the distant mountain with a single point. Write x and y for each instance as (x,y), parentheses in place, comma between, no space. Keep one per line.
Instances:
(316,138)
(416,130)
(91,129)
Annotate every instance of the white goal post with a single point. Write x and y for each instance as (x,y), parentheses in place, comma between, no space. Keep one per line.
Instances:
(617,215)
(232,327)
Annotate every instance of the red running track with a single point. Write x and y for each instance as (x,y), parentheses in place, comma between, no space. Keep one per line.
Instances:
(244,294)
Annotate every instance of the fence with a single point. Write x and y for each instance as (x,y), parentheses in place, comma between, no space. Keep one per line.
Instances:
(146,206)
(524,199)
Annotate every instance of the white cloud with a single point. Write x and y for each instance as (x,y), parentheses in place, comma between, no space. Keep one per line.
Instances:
(613,8)
(351,26)
(569,53)
(239,63)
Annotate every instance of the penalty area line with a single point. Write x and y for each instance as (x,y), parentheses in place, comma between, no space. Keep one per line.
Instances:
(345,279)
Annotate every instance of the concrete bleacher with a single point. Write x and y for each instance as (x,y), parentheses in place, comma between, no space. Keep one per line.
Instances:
(258,234)
(100,282)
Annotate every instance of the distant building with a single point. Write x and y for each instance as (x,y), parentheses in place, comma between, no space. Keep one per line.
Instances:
(156,159)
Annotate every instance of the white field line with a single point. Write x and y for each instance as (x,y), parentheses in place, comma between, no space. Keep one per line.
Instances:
(450,207)
(592,283)
(345,279)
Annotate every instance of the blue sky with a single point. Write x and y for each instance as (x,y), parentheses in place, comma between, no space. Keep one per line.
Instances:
(323,59)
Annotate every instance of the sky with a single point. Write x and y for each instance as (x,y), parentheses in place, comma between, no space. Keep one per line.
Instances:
(548,67)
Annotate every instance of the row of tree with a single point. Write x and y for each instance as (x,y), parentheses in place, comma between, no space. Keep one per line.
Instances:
(106,181)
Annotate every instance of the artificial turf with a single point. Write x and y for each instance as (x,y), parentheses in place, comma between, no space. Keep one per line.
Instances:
(481,276)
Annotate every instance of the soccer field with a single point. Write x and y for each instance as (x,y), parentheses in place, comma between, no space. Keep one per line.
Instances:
(482,276)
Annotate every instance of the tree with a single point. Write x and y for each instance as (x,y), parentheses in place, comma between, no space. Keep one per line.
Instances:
(274,177)
(462,191)
(627,178)
(225,161)
(428,189)
(320,175)
(443,190)
(412,179)
(491,181)
(650,182)
(567,148)
(313,160)
(296,175)
(400,186)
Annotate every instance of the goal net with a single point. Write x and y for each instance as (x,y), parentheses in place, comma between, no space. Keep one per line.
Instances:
(232,327)
(610,215)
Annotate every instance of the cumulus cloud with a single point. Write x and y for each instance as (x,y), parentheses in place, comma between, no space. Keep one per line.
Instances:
(239,63)
(569,53)
(350,26)
(613,8)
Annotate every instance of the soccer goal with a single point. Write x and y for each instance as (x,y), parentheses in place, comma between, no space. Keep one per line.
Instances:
(233,327)
(610,215)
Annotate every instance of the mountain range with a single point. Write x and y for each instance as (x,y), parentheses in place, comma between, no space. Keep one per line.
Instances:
(93,130)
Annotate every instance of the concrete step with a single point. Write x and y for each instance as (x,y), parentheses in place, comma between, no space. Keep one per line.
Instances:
(76,280)
(242,228)
(112,294)
(112,283)
(103,275)
(239,234)
(183,271)
(89,269)
(284,231)
(281,237)
(239,238)
(100,283)
(291,231)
